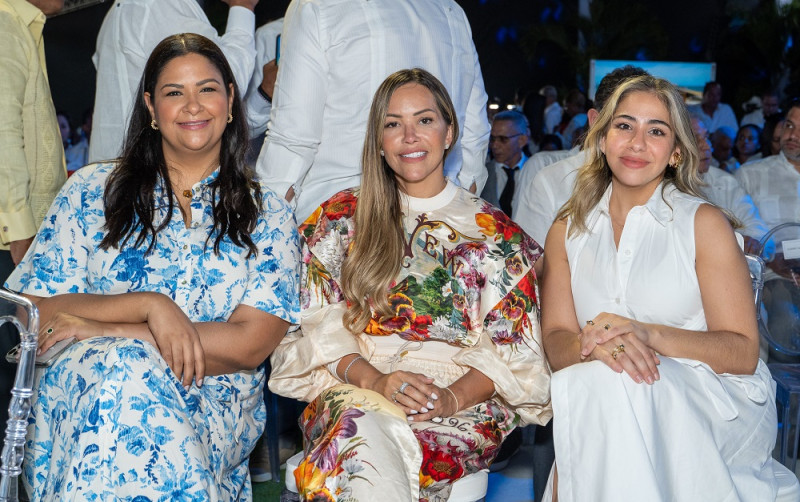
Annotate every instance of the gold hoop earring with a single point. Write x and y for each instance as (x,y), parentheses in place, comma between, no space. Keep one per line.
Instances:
(154,125)
(230,118)
(678,160)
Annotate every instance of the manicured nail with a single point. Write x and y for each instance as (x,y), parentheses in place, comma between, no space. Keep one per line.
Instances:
(434,396)
(650,380)
(430,405)
(437,420)
(423,410)
(410,419)
(186,388)
(414,412)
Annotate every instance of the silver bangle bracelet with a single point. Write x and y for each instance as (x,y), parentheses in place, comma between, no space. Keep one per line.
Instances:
(348,368)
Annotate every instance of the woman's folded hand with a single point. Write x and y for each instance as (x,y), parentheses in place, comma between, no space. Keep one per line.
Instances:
(62,326)
(414,393)
(621,343)
(177,339)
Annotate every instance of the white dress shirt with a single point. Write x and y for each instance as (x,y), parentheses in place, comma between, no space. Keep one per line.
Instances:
(724,191)
(774,185)
(130,32)
(545,186)
(334,55)
(552,117)
(257,107)
(723,116)
(501,178)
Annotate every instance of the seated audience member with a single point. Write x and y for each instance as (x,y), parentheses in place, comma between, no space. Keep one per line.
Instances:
(546,183)
(508,137)
(176,273)
(774,184)
(722,141)
(418,354)
(771,135)
(747,146)
(712,112)
(533,108)
(551,143)
(724,191)
(769,105)
(649,310)
(574,117)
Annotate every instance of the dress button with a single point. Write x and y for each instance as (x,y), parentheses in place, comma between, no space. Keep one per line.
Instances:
(185,246)
(183,282)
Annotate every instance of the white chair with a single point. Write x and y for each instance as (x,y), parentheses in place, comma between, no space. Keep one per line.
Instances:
(470,488)
(20,407)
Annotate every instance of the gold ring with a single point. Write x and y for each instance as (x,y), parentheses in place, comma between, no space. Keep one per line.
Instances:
(590,322)
(619,349)
(607,327)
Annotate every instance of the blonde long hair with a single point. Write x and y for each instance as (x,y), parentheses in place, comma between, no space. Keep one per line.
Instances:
(378,246)
(595,175)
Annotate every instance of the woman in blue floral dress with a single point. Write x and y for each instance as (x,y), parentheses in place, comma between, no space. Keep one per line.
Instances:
(419,349)
(177,274)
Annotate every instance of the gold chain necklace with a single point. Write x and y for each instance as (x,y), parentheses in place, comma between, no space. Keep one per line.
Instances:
(188,192)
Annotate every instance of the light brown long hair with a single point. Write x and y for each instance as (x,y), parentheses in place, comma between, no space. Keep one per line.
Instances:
(595,175)
(376,255)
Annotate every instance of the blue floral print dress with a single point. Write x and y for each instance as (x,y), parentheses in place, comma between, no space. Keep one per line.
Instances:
(110,420)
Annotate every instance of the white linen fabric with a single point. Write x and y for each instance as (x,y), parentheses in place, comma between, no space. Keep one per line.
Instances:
(544,190)
(130,32)
(724,191)
(723,116)
(258,109)
(335,54)
(694,434)
(774,185)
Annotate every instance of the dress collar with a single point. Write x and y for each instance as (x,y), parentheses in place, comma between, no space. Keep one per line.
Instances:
(438,201)
(659,205)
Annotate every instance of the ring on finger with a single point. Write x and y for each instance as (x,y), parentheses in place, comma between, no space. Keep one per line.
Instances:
(619,349)
(607,326)
(394,394)
(403,387)
(590,322)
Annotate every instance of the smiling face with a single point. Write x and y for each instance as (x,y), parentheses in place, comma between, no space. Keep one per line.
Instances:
(640,142)
(190,104)
(414,138)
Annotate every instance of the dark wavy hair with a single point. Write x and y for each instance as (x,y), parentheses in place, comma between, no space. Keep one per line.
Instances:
(129,201)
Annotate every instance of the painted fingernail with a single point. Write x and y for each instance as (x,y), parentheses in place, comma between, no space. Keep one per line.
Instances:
(186,388)
(434,396)
(410,419)
(430,405)
(437,420)
(414,412)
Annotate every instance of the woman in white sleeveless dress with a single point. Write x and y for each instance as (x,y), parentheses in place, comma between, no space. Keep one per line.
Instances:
(648,319)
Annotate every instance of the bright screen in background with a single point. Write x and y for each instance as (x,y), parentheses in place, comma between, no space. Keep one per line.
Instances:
(687,76)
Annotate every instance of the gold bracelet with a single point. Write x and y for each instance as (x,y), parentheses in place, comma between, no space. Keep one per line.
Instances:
(348,368)
(458,406)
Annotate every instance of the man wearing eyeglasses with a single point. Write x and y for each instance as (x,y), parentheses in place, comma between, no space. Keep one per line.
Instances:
(508,137)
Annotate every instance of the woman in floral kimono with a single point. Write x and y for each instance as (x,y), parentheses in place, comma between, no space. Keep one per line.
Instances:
(177,274)
(419,347)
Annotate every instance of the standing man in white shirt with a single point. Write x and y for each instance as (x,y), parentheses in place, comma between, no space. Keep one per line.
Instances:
(552,110)
(508,137)
(712,112)
(334,54)
(258,98)
(130,31)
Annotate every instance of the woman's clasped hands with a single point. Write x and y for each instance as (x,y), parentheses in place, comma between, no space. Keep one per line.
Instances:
(417,396)
(621,343)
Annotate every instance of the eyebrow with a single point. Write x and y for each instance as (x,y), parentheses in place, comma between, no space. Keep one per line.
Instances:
(426,110)
(201,82)
(651,121)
